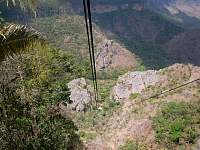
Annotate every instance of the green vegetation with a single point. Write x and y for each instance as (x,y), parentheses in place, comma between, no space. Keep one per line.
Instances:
(17,38)
(67,32)
(134,96)
(143,32)
(177,124)
(29,99)
(85,136)
(33,82)
(133,145)
(108,106)
(111,74)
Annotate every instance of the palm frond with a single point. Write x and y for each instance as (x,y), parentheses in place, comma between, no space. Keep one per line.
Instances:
(17,38)
(30,4)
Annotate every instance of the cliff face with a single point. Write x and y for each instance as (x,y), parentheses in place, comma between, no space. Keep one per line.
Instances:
(111,55)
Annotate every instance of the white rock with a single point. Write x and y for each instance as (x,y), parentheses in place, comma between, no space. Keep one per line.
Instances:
(81,94)
(134,82)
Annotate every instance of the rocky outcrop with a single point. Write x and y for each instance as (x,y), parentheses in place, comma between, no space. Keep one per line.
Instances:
(134,82)
(113,55)
(162,80)
(132,120)
(81,94)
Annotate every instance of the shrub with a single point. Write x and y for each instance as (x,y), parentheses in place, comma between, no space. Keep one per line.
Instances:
(25,103)
(132,145)
(177,124)
(87,135)
(134,95)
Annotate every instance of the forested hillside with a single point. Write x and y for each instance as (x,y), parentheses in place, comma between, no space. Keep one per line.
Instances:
(145,26)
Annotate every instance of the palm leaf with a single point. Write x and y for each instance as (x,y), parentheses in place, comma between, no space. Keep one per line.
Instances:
(30,4)
(17,38)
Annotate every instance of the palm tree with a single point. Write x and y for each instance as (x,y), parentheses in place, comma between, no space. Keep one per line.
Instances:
(17,38)
(30,4)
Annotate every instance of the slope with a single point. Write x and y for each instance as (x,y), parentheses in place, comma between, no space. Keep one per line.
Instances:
(134,120)
(143,32)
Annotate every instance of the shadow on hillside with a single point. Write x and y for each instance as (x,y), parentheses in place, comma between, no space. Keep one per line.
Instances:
(143,33)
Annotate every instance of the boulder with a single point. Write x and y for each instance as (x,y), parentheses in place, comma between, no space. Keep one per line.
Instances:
(81,94)
(134,82)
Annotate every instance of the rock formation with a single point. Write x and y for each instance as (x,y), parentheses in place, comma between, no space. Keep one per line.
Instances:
(138,82)
(134,82)
(113,55)
(133,120)
(81,94)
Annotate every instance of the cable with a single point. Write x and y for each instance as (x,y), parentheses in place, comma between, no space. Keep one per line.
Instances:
(164,92)
(170,90)
(92,45)
(87,12)
(88,37)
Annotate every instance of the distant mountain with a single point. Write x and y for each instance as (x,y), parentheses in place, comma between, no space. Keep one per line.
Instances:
(185,47)
(160,32)
(185,12)
(142,31)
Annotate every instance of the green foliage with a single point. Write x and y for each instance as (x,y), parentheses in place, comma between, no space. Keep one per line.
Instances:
(141,68)
(177,124)
(50,73)
(57,133)
(132,145)
(85,136)
(134,95)
(27,121)
(130,28)
(51,4)
(67,32)
(15,120)
(111,74)
(17,38)
(108,106)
